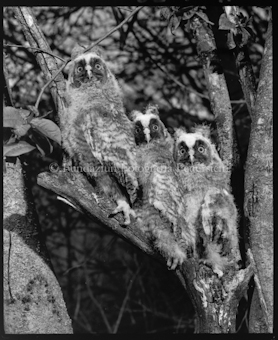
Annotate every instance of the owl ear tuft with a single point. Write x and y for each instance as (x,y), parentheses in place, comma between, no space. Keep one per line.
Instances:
(152,108)
(179,132)
(98,50)
(134,114)
(203,130)
(76,51)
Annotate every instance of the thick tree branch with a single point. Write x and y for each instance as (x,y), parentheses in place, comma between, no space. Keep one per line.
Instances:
(201,283)
(218,91)
(258,203)
(47,62)
(74,187)
(244,67)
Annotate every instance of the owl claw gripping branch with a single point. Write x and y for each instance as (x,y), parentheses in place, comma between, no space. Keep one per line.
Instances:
(96,132)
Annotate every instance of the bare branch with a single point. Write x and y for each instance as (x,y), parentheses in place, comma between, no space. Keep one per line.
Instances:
(114,29)
(117,324)
(37,49)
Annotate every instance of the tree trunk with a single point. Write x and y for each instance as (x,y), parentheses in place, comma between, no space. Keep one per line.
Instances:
(33,301)
(259,191)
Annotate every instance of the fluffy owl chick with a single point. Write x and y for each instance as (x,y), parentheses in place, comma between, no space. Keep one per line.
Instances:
(96,131)
(211,210)
(163,204)
(148,126)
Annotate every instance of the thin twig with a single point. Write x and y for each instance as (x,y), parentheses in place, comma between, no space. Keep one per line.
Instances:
(50,80)
(36,48)
(114,29)
(87,49)
(117,323)
(9,99)
(124,8)
(96,303)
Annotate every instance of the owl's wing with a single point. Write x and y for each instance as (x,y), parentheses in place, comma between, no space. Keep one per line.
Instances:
(167,196)
(219,223)
(112,144)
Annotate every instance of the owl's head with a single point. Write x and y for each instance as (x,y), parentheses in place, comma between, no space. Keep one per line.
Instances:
(147,125)
(88,68)
(194,148)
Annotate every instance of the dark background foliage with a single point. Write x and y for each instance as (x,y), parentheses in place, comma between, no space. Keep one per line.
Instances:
(107,283)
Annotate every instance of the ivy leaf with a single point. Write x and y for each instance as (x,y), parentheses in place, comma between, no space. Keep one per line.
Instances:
(47,128)
(17,149)
(225,24)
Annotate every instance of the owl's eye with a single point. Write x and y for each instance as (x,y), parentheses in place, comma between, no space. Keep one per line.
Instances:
(182,151)
(79,69)
(201,149)
(98,66)
(155,127)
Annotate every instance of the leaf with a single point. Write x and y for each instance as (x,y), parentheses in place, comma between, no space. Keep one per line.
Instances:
(42,151)
(17,149)
(189,14)
(47,128)
(12,117)
(225,24)
(230,41)
(232,13)
(22,130)
(174,23)
(204,17)
(165,13)
(7,134)
(42,142)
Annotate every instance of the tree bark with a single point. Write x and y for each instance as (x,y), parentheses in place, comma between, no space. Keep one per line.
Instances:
(33,301)
(258,203)
(218,91)
(215,299)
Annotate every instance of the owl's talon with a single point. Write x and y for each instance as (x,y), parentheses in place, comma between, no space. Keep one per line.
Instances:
(172,263)
(124,207)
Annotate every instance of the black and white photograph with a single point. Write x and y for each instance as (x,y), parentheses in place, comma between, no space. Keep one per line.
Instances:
(138,169)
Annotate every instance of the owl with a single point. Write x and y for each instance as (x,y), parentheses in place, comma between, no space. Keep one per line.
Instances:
(211,210)
(148,126)
(163,205)
(96,131)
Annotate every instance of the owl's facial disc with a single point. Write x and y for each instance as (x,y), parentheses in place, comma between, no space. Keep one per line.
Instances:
(192,151)
(139,133)
(147,129)
(183,155)
(89,69)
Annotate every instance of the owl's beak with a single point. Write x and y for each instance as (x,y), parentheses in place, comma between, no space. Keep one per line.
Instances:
(90,74)
(191,156)
(147,134)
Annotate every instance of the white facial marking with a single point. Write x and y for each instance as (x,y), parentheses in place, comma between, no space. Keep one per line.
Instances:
(147,133)
(88,68)
(87,57)
(145,119)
